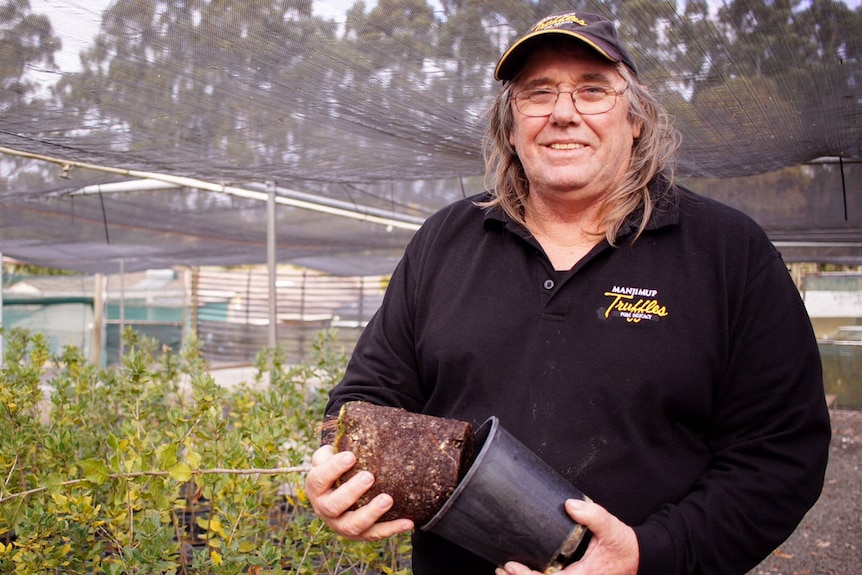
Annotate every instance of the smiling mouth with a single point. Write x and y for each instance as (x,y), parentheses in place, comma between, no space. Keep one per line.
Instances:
(571,146)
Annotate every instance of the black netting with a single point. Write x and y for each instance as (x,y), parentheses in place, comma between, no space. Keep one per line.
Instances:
(379,108)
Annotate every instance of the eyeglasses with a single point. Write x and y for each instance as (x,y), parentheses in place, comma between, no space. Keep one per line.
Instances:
(588,100)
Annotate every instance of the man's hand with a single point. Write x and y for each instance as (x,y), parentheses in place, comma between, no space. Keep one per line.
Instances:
(613,549)
(332,504)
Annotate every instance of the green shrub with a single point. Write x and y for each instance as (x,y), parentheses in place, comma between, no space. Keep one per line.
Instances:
(152,467)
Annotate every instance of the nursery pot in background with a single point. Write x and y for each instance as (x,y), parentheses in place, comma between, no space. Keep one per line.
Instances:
(510,506)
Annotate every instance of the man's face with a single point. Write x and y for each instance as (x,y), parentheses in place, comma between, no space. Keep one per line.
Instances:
(567,155)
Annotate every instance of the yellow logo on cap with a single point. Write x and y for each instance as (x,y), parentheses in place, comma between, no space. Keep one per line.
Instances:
(554,21)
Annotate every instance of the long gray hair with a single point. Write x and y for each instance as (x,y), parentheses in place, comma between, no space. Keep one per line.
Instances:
(652,155)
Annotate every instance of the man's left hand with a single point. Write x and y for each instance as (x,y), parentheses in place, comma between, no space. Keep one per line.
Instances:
(613,549)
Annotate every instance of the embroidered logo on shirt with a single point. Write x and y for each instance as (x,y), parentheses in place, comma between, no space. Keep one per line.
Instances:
(633,304)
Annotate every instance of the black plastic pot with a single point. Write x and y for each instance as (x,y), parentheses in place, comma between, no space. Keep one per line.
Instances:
(510,506)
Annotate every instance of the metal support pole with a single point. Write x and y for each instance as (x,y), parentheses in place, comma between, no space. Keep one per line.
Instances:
(271,263)
(96,341)
(192,288)
(2,349)
(122,326)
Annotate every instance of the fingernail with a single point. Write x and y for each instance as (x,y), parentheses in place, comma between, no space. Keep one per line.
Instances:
(575,504)
(384,501)
(345,457)
(365,478)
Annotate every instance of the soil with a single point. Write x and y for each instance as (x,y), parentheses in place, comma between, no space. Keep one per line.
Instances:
(828,541)
(417,459)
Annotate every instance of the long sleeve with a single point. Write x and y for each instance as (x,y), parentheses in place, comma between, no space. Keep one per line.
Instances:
(769,439)
(383,368)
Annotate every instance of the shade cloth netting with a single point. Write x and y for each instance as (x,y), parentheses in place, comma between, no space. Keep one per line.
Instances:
(378,107)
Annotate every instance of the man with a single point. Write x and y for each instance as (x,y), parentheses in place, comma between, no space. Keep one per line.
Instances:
(646,342)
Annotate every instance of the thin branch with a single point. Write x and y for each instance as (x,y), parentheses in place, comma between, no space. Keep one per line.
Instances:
(131,475)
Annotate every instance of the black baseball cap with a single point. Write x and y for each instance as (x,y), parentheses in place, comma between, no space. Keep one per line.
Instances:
(595,31)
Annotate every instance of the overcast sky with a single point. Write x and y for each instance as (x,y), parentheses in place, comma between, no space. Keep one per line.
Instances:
(76,22)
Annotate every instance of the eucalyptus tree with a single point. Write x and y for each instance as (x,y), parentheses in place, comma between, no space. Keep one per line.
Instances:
(196,84)
(802,61)
(27,42)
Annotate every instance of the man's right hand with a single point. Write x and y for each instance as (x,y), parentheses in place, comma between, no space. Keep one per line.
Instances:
(332,504)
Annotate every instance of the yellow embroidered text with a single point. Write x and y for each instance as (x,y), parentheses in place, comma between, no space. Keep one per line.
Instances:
(634,311)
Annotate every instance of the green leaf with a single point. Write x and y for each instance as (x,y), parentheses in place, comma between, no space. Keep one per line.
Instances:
(159,495)
(181,472)
(95,471)
(167,455)
(54,483)
(193,458)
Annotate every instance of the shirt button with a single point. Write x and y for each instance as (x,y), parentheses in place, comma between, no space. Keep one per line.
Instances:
(549,284)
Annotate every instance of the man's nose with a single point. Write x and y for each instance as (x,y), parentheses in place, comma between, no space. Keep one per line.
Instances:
(565,111)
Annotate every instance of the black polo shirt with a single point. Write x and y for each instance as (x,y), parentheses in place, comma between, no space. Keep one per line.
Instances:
(674,379)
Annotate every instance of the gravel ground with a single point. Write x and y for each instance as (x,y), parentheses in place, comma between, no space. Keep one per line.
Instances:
(829,539)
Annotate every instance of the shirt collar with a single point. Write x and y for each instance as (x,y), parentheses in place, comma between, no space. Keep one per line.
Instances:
(665,211)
